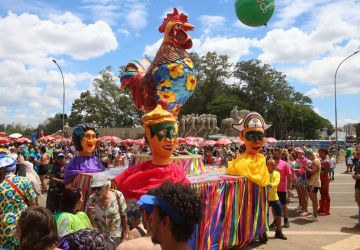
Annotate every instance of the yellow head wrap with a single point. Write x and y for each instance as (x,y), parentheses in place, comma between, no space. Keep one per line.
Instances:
(157,116)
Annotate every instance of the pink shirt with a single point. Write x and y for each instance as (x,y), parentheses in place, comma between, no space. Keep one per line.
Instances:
(285,171)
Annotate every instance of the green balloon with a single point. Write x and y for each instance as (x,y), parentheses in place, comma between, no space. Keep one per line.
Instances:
(254,13)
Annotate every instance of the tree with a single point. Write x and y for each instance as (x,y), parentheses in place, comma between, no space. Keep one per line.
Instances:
(105,105)
(257,87)
(52,124)
(222,105)
(213,70)
(25,130)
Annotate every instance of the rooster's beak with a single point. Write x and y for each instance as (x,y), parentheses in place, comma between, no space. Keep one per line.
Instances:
(188,27)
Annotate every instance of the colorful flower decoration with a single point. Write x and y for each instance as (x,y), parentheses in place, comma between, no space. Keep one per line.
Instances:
(167,96)
(190,82)
(188,62)
(176,70)
(166,83)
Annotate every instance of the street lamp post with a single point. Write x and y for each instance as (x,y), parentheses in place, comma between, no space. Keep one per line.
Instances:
(336,132)
(302,126)
(63,108)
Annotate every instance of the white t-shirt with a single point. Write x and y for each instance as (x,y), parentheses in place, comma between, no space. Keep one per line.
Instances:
(332,162)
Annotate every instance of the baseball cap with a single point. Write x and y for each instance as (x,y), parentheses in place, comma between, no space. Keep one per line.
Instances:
(165,205)
(8,162)
(60,155)
(309,152)
(299,150)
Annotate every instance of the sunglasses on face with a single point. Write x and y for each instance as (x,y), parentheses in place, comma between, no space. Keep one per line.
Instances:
(254,136)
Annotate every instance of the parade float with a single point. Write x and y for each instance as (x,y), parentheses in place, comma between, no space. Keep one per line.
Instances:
(236,210)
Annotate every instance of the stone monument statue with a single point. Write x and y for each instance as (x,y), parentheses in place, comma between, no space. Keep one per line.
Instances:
(198,125)
(235,116)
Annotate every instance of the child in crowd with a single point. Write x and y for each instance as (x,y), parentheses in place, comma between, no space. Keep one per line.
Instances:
(274,201)
(332,167)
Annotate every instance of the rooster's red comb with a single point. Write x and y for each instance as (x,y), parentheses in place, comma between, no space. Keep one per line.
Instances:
(175,16)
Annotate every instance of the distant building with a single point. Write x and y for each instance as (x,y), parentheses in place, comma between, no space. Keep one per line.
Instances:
(341,136)
(350,129)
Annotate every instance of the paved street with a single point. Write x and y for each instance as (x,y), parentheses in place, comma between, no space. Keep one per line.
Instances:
(331,232)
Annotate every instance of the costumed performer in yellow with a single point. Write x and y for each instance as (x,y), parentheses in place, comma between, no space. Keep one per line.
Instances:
(161,133)
(252,163)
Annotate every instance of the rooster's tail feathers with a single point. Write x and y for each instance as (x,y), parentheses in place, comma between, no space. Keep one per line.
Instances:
(132,78)
(133,69)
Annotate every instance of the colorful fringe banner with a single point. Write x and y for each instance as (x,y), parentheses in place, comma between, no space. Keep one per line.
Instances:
(236,212)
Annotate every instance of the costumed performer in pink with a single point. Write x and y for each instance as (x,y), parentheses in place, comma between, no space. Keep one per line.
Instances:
(84,139)
(161,133)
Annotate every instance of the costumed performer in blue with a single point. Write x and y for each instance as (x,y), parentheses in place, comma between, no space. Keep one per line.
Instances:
(84,139)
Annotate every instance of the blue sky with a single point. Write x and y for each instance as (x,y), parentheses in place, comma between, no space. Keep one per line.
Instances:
(304,39)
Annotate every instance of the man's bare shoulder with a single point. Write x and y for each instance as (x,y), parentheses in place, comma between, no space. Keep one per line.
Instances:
(143,243)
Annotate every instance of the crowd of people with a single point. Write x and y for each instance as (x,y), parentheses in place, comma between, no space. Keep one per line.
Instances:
(29,173)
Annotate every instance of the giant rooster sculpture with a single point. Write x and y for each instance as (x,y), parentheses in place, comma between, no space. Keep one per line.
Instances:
(169,80)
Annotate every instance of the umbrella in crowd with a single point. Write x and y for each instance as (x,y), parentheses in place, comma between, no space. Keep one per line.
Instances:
(58,137)
(46,138)
(23,140)
(140,142)
(4,140)
(270,139)
(237,140)
(15,136)
(128,141)
(208,143)
(196,141)
(223,141)
(192,143)
(181,140)
(109,138)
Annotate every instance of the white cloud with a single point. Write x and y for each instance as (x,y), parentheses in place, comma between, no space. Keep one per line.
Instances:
(31,84)
(37,88)
(320,74)
(212,21)
(134,13)
(125,32)
(298,46)
(311,53)
(234,47)
(31,40)
(210,24)
(345,121)
(136,17)
(287,11)
(150,50)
